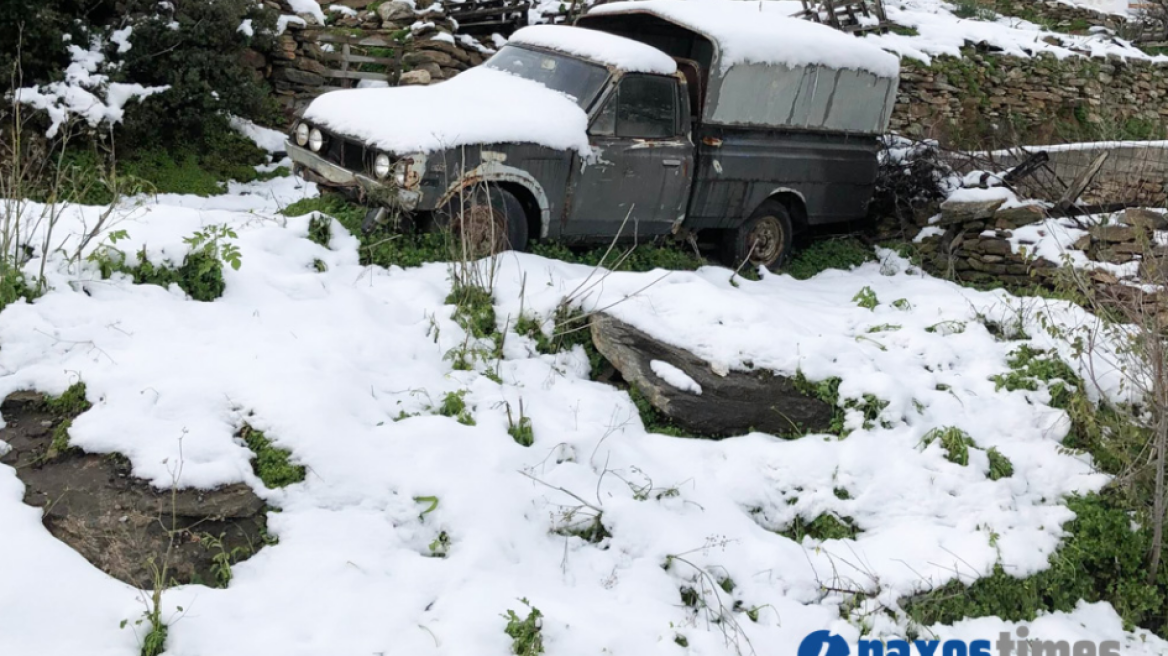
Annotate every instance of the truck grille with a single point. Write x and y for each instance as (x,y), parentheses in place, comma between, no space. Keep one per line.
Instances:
(349,154)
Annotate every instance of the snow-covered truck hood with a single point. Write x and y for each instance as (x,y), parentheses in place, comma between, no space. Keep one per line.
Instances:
(479,106)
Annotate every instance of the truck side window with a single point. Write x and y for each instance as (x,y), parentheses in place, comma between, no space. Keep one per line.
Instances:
(646,107)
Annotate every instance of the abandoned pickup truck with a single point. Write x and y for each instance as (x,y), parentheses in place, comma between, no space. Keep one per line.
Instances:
(715,119)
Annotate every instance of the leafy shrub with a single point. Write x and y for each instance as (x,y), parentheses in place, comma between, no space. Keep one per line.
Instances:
(454,406)
(203,63)
(34,36)
(201,273)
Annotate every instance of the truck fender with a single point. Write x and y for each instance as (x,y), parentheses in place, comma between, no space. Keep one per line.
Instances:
(798,213)
(497,172)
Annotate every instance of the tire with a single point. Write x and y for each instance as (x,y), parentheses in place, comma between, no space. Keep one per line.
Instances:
(765,238)
(484,221)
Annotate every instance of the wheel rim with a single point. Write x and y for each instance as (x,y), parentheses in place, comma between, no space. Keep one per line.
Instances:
(481,230)
(765,240)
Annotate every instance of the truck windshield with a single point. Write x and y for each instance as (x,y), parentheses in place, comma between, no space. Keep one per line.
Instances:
(579,79)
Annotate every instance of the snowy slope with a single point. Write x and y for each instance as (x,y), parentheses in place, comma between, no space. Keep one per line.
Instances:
(327,361)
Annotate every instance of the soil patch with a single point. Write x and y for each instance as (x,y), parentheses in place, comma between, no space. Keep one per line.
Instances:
(120,523)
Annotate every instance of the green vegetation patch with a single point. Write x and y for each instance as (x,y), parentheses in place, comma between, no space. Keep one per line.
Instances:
(827,526)
(1103,558)
(525,632)
(843,253)
(201,273)
(1032,369)
(643,257)
(384,246)
(272,464)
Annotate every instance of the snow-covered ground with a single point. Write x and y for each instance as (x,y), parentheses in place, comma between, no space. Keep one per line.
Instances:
(327,360)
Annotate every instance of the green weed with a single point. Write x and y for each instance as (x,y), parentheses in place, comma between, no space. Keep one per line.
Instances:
(866,298)
(520,431)
(454,406)
(827,526)
(1000,465)
(955,442)
(526,636)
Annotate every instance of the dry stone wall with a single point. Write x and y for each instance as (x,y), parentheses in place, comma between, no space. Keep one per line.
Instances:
(372,44)
(981,98)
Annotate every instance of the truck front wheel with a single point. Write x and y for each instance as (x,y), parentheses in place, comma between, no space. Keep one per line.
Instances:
(484,221)
(763,239)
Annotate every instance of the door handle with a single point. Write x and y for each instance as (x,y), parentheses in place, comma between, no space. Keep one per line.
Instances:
(671,162)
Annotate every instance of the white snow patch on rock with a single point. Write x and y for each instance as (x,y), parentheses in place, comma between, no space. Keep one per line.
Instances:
(675,377)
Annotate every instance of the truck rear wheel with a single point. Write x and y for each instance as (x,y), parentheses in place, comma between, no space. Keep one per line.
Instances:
(485,221)
(763,239)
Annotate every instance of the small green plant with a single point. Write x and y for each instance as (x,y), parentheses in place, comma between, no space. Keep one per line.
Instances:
(155,641)
(827,526)
(272,464)
(902,304)
(884,327)
(955,442)
(521,431)
(223,558)
(59,445)
(949,327)
(474,309)
(1000,465)
(526,636)
(454,406)
(71,402)
(440,545)
(866,298)
(532,327)
(320,230)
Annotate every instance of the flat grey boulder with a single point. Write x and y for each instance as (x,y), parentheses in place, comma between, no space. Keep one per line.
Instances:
(689,391)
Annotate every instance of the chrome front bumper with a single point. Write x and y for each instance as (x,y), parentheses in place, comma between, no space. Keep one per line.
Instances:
(327,172)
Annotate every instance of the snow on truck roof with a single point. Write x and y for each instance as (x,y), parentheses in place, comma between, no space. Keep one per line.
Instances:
(763,33)
(601,47)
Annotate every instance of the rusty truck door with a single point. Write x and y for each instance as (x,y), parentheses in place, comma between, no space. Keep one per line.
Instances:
(642,164)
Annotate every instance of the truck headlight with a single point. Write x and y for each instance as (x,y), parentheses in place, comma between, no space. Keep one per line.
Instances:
(381,166)
(315,140)
(302,134)
(399,176)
